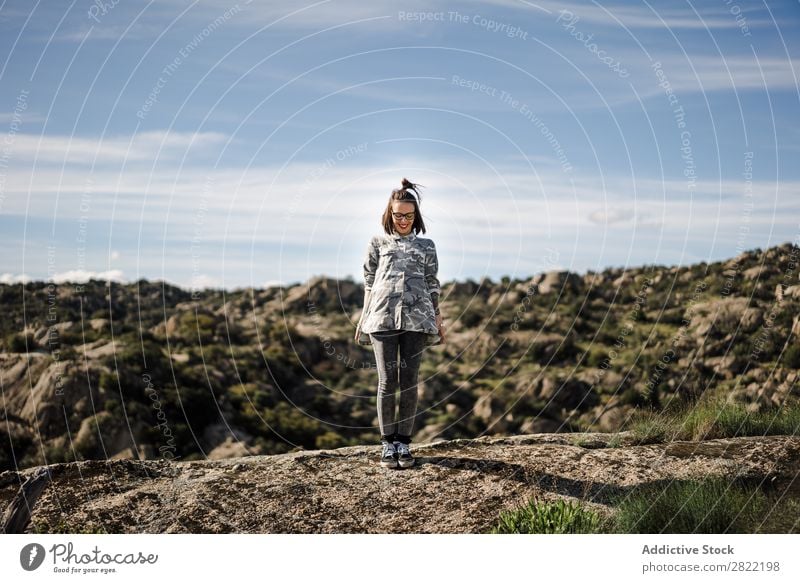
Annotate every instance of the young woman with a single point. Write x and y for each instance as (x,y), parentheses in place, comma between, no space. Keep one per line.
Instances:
(400,315)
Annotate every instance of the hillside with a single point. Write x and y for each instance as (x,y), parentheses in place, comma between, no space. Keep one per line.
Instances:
(147,371)
(457,487)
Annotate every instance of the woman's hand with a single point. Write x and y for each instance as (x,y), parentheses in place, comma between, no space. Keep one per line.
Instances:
(440,326)
(367,295)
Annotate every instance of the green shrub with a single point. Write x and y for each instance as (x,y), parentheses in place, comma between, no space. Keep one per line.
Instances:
(717,419)
(22,343)
(711,506)
(290,424)
(712,419)
(595,357)
(673,316)
(791,357)
(558,517)
(648,426)
(330,440)
(90,445)
(782,516)
(472,317)
(69,353)
(630,396)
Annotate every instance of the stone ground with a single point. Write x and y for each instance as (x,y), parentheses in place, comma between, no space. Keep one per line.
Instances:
(457,486)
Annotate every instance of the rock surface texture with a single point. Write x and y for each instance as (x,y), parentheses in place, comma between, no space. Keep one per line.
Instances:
(457,486)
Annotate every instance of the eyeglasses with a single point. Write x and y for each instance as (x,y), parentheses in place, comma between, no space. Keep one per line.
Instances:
(407,216)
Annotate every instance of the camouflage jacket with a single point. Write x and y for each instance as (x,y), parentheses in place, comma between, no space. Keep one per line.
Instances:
(401,272)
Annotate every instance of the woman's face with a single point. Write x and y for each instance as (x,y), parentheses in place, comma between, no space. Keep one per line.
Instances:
(402,216)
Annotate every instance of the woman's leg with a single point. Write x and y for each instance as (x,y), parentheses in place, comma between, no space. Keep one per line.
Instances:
(411,347)
(384,344)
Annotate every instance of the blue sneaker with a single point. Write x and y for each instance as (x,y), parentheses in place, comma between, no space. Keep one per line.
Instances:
(389,455)
(404,457)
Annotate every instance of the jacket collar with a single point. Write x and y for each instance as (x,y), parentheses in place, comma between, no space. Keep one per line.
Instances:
(410,237)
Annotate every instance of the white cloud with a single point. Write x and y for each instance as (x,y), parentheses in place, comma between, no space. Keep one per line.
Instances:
(274,283)
(725,72)
(83,276)
(26,118)
(287,14)
(110,32)
(307,218)
(639,15)
(203,281)
(9,278)
(290,205)
(144,146)
(611,216)
(321,14)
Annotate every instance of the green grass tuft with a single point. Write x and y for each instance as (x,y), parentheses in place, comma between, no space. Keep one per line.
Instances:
(558,517)
(710,506)
(713,419)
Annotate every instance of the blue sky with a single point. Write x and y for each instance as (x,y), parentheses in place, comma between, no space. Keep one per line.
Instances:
(230,144)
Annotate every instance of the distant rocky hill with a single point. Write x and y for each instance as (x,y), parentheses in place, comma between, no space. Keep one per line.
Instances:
(148,371)
(457,486)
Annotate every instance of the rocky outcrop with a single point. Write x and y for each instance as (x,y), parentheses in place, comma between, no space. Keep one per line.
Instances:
(557,282)
(457,486)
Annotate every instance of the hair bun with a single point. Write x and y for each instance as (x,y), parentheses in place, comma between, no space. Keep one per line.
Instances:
(407,185)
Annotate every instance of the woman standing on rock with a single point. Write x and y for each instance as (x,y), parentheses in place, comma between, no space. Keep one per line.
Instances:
(400,315)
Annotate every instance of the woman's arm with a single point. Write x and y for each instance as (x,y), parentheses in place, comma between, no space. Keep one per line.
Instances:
(434,287)
(370,267)
(435,301)
(431,276)
(367,294)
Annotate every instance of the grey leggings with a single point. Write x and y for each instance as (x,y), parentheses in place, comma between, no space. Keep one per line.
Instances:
(394,373)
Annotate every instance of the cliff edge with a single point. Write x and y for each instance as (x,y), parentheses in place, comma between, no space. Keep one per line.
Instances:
(457,486)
